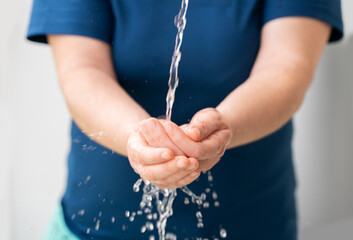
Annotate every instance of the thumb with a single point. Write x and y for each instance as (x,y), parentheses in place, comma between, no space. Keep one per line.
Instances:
(203,124)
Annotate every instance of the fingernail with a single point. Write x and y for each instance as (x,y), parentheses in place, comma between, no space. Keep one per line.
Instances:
(181,164)
(166,156)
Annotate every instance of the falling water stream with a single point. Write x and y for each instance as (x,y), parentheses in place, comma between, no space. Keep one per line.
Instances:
(164,197)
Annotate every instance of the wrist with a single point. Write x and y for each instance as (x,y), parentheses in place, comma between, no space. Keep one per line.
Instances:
(229,123)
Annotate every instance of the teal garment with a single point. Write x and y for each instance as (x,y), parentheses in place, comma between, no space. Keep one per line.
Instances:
(58,229)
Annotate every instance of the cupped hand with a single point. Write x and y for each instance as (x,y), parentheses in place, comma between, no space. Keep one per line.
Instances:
(157,159)
(205,138)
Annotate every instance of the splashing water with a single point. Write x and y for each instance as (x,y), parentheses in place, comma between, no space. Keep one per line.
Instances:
(164,198)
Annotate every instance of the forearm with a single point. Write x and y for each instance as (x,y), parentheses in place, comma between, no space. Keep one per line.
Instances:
(97,102)
(264,103)
(290,50)
(101,108)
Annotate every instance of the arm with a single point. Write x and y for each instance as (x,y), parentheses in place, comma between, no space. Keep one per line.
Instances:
(98,104)
(94,97)
(289,52)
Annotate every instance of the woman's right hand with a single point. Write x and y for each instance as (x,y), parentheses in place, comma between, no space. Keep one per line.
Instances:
(164,167)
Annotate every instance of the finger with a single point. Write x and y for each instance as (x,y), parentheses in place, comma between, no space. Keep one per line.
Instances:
(188,146)
(216,144)
(211,147)
(160,172)
(208,164)
(186,166)
(181,183)
(156,136)
(183,127)
(189,179)
(204,123)
(141,153)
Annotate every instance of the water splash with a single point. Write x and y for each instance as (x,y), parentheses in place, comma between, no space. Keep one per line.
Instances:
(164,198)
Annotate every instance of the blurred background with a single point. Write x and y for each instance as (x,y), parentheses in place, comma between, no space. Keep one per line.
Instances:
(33,161)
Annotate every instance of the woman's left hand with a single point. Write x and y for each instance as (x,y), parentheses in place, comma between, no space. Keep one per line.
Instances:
(205,138)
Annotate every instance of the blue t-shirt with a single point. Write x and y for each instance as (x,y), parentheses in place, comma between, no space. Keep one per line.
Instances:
(255,183)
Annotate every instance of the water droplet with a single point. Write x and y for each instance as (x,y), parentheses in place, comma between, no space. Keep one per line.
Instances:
(143,229)
(97,225)
(136,186)
(81,212)
(206,205)
(149,226)
(73,216)
(131,218)
(151,238)
(123,227)
(210,178)
(199,225)
(170,236)
(147,210)
(100,214)
(214,195)
(127,213)
(88,230)
(113,219)
(155,216)
(203,197)
(198,214)
(216,204)
(207,190)
(139,212)
(186,201)
(149,216)
(223,233)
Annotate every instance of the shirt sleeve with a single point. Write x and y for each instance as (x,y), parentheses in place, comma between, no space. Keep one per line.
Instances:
(90,18)
(328,11)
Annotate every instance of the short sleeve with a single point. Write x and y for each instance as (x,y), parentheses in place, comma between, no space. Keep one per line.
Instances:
(90,18)
(328,11)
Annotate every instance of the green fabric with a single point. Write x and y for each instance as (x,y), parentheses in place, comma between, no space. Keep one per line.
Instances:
(58,229)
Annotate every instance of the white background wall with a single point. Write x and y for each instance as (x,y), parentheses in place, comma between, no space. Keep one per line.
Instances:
(32,112)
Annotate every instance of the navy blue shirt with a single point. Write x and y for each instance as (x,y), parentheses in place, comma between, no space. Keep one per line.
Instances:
(255,183)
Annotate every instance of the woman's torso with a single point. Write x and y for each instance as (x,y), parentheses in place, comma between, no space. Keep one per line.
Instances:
(254,183)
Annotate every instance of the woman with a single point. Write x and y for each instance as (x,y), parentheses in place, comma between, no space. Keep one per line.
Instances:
(245,68)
